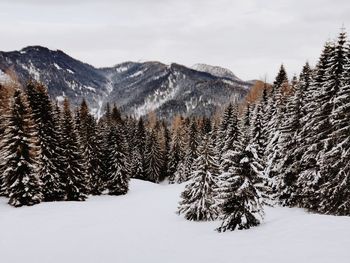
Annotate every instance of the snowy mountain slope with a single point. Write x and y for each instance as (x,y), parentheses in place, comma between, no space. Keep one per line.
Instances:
(142,226)
(137,88)
(215,71)
(63,75)
(169,89)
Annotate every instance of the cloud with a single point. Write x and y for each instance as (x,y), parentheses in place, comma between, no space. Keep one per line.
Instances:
(250,37)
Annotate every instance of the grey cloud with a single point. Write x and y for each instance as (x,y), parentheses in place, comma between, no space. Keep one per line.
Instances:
(250,37)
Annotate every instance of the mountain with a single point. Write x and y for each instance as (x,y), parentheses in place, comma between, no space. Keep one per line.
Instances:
(137,88)
(216,71)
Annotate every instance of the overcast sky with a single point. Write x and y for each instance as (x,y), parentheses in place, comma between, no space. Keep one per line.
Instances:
(250,37)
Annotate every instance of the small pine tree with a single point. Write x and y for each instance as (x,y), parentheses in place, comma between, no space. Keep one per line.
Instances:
(21,182)
(198,201)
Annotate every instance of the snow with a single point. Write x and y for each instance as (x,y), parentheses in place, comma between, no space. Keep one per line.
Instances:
(215,71)
(157,99)
(90,88)
(137,73)
(4,78)
(70,71)
(33,71)
(142,227)
(57,66)
(61,97)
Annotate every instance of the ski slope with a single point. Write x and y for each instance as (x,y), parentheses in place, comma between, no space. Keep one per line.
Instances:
(143,227)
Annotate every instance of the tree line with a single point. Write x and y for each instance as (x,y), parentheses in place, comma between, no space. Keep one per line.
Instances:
(289,145)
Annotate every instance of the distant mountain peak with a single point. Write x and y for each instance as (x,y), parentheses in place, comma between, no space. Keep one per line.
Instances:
(215,71)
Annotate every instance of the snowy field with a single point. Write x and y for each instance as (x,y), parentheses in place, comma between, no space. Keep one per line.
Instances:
(143,227)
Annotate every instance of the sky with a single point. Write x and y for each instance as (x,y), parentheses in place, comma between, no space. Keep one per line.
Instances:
(250,37)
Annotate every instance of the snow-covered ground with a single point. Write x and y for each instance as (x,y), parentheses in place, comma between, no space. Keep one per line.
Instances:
(143,227)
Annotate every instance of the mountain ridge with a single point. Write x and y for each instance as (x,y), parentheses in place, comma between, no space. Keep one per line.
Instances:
(136,87)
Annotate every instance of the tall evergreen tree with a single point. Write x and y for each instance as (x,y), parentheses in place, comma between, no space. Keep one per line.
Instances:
(21,182)
(176,154)
(198,201)
(90,148)
(75,184)
(138,163)
(240,188)
(50,160)
(153,158)
(316,172)
(288,164)
(165,150)
(184,170)
(117,179)
(334,191)
(276,110)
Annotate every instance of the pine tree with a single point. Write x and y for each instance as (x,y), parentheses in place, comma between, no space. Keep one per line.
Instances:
(104,131)
(184,169)
(240,188)
(90,148)
(288,165)
(75,184)
(176,154)
(153,158)
(4,112)
(198,201)
(258,128)
(334,191)
(165,151)
(316,170)
(308,143)
(138,163)
(226,121)
(21,182)
(50,163)
(117,174)
(276,110)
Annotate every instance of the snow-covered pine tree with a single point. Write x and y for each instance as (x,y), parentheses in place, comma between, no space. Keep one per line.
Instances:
(104,130)
(276,110)
(4,112)
(117,178)
(184,170)
(90,148)
(74,180)
(165,143)
(258,127)
(138,163)
(320,141)
(226,119)
(334,192)
(50,164)
(241,186)
(116,116)
(153,157)
(176,154)
(308,143)
(290,127)
(21,182)
(198,201)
